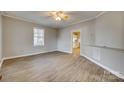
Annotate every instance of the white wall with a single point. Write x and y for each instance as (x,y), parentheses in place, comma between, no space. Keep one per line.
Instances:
(18,38)
(0,43)
(64,40)
(0,37)
(109,30)
(106,30)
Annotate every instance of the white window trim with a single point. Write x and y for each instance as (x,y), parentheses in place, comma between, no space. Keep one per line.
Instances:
(42,42)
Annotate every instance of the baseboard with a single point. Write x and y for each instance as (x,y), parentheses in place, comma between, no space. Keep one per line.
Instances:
(92,60)
(12,57)
(104,67)
(1,61)
(64,51)
(0,77)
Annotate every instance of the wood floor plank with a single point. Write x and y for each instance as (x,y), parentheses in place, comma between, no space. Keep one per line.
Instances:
(54,67)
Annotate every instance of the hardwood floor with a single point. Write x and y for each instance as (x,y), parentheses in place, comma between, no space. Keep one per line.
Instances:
(54,67)
(76,51)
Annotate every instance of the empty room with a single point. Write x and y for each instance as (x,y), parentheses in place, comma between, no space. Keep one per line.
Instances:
(61,46)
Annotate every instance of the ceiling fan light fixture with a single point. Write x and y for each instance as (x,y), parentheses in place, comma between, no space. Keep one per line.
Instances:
(59,15)
(58,18)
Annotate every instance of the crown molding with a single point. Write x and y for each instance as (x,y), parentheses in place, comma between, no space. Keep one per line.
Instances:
(100,14)
(17,17)
(85,20)
(32,21)
(23,19)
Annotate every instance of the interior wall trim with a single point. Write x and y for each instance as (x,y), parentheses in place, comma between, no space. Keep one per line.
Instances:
(23,19)
(32,21)
(120,75)
(26,55)
(88,19)
(64,51)
(106,47)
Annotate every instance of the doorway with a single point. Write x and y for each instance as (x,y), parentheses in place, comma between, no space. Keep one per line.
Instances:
(76,43)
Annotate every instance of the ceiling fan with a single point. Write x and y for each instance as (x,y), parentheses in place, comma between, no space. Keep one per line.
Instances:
(59,15)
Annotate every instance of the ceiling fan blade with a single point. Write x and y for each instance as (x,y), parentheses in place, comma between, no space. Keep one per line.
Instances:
(58,14)
(65,17)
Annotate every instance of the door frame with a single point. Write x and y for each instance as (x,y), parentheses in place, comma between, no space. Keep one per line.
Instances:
(76,30)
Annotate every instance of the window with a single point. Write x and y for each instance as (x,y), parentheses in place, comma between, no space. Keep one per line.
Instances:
(38,37)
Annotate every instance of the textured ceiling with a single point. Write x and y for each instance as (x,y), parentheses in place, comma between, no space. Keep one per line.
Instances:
(41,17)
